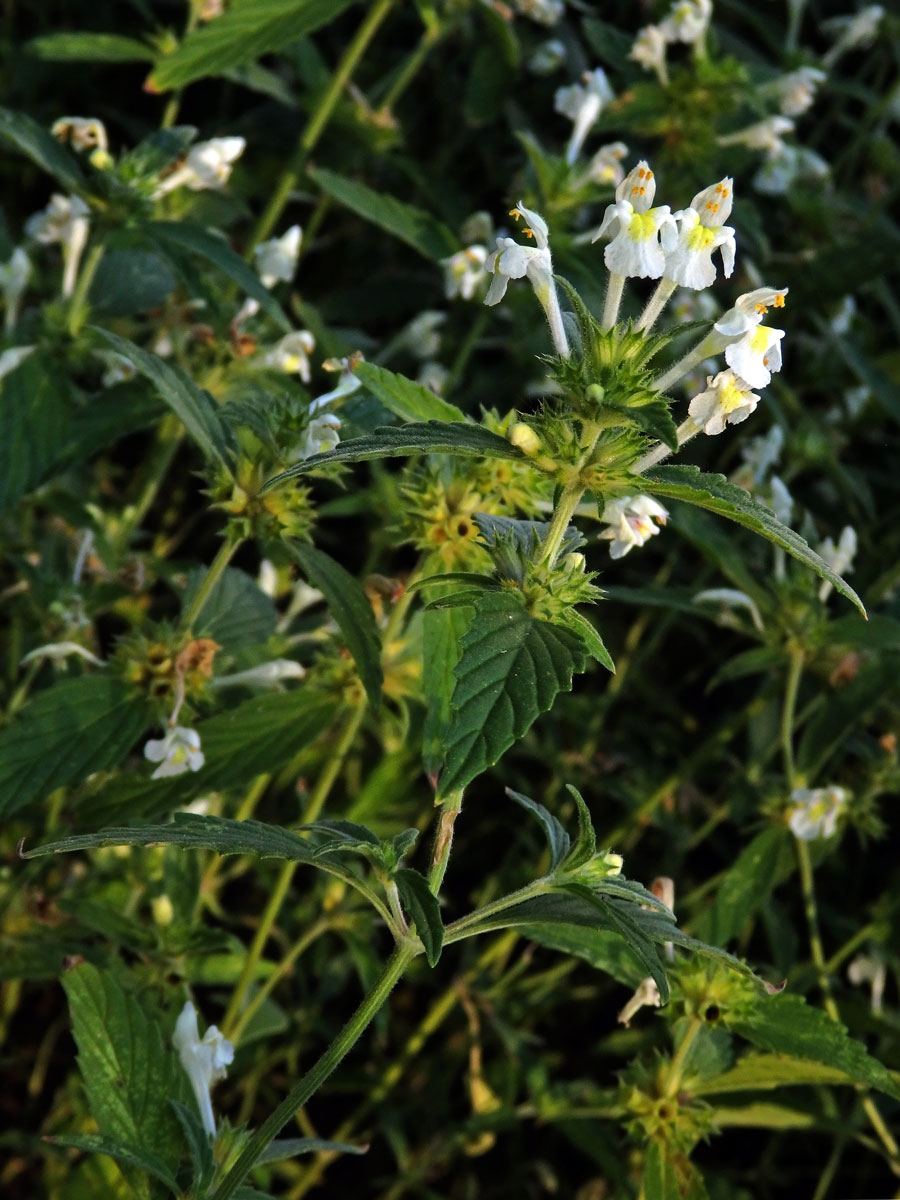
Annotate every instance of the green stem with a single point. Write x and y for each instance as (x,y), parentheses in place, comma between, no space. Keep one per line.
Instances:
(812,918)
(795,670)
(410,69)
(679,1060)
(317,122)
(216,567)
(78,304)
(614,290)
(443,840)
(457,931)
(559,523)
(316,1076)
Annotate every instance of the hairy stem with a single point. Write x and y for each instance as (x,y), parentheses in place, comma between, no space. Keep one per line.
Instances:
(614,290)
(559,523)
(443,840)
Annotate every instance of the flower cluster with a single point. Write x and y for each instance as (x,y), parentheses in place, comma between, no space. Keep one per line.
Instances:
(687,22)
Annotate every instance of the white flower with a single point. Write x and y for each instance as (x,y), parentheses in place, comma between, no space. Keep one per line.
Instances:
(291,354)
(839,557)
(267,674)
(649,51)
(641,235)
(755,351)
(64,220)
(119,369)
(815,812)
(208,165)
(277,258)
(548,57)
(583,103)
(781,501)
(545,12)
(647,995)
(730,598)
(762,453)
(321,436)
(726,401)
(434,376)
(780,171)
(14,277)
(702,231)
(267,579)
(687,20)
(177,752)
(605,166)
(796,91)
(205,1061)
(631,520)
(842,320)
(465,272)
(59,650)
(856,29)
(347,381)
(764,135)
(869,968)
(85,133)
(421,335)
(512,261)
(14,357)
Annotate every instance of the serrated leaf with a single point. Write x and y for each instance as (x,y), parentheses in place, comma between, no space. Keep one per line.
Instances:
(526,535)
(622,918)
(418,229)
(65,734)
(586,843)
(42,148)
(283,1148)
(788,1025)
(467,598)
(592,640)
(653,418)
(90,47)
(442,634)
(601,948)
(197,1139)
(511,668)
(184,236)
(391,441)
(350,608)
(244,33)
(424,910)
(130,1156)
(195,408)
(765,1072)
(257,737)
(715,493)
(404,397)
(557,838)
(236,613)
(129,1071)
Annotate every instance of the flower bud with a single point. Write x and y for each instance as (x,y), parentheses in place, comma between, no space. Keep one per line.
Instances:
(574,562)
(524,437)
(163,910)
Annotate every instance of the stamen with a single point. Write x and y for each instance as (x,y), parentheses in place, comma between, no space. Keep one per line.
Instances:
(778,302)
(529,233)
(515,214)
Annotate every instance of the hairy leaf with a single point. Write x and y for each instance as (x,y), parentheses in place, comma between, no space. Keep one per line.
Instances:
(236,613)
(559,841)
(404,397)
(511,669)
(128,1155)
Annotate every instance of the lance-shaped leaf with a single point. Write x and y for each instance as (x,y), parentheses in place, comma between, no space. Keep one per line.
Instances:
(715,493)
(352,611)
(392,441)
(126,1154)
(90,47)
(511,669)
(418,229)
(42,148)
(406,399)
(241,35)
(558,840)
(195,408)
(422,906)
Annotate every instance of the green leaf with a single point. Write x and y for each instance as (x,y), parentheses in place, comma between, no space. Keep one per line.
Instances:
(195,408)
(592,640)
(653,417)
(442,633)
(257,737)
(404,398)
(715,493)
(244,33)
(418,229)
(35,415)
(511,668)
(602,949)
(391,441)
(128,1068)
(660,1177)
(130,1156)
(557,838)
(130,280)
(237,612)
(423,909)
(765,1072)
(745,888)
(788,1025)
(65,734)
(586,843)
(90,47)
(283,1148)
(352,611)
(202,1161)
(842,711)
(183,236)
(42,148)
